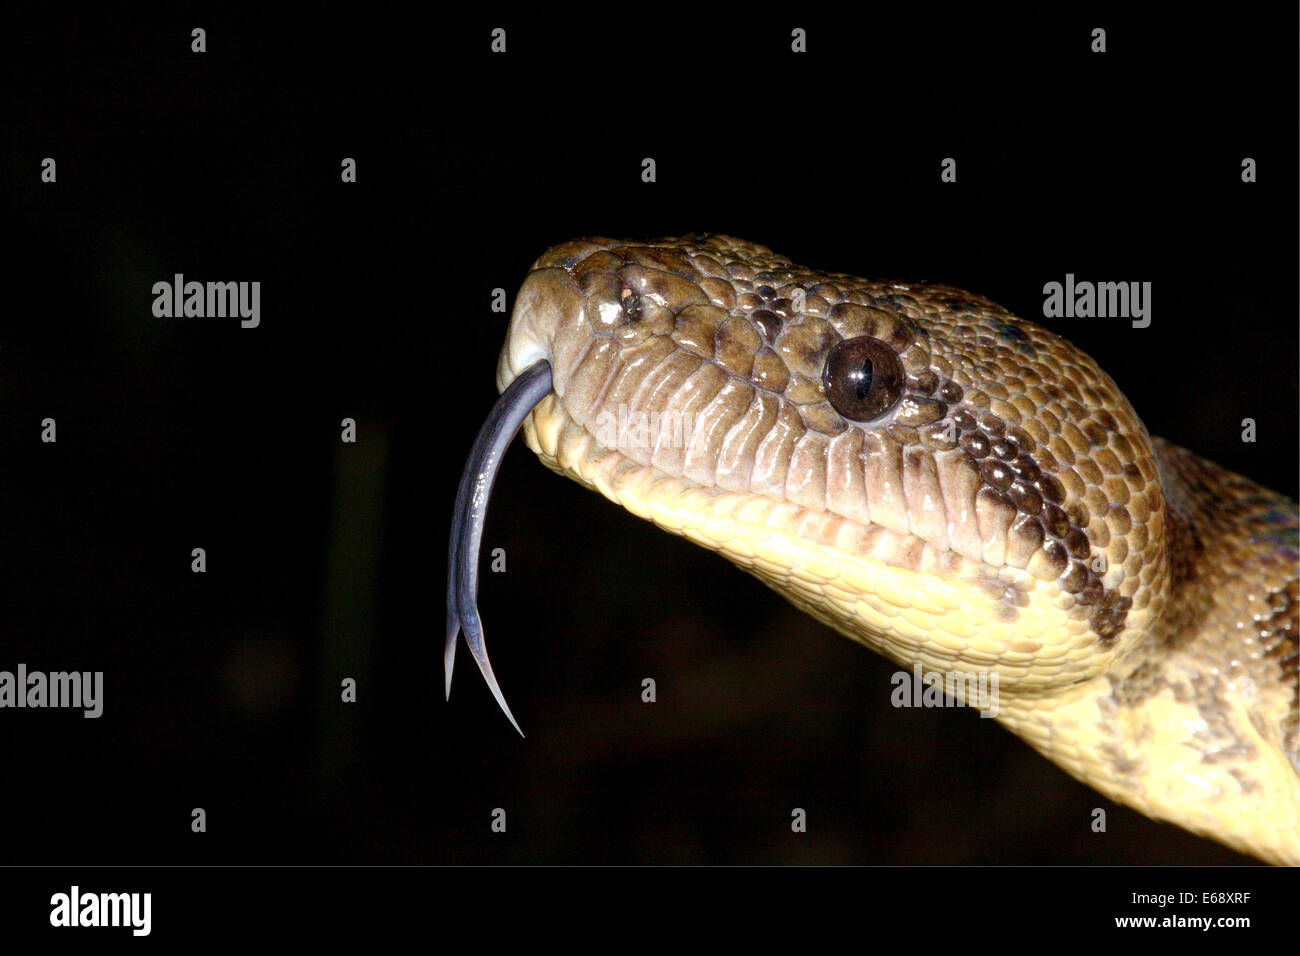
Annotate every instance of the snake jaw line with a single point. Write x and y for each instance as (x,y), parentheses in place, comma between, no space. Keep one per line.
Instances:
(470,515)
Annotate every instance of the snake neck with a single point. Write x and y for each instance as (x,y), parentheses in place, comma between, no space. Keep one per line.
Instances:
(1204,711)
(1233,550)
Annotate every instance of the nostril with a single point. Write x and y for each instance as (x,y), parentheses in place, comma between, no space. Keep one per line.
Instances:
(633,307)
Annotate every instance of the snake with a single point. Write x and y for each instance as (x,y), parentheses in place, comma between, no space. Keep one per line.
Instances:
(955,487)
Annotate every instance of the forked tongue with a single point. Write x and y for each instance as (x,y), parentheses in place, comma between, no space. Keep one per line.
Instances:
(519,398)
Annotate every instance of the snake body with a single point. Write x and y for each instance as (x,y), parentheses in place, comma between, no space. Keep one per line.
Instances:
(952,486)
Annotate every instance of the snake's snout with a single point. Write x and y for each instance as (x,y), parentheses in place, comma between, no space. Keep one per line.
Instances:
(522,394)
(549,324)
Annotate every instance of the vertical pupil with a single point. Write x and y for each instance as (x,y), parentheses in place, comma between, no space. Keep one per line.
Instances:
(862,379)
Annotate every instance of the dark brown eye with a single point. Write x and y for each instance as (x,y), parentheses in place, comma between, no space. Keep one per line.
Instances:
(863,378)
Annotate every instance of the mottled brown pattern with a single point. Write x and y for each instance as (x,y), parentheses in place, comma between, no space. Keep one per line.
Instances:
(1279,641)
(1009,461)
(1035,418)
(1237,612)
(1005,457)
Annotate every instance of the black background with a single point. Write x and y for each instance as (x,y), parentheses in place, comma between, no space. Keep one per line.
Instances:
(327,560)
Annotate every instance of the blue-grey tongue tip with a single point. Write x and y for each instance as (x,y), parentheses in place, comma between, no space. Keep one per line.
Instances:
(468,520)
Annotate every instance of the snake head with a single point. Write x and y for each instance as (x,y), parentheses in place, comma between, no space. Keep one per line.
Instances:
(911,464)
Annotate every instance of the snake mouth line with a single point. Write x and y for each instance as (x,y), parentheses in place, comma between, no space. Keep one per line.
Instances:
(503,422)
(791,548)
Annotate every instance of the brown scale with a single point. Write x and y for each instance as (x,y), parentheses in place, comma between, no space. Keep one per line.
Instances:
(1146,680)
(1002,452)
(733,305)
(1003,455)
(1209,507)
(1204,560)
(1279,638)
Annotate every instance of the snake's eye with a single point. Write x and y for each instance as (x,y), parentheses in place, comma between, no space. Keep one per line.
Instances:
(863,378)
